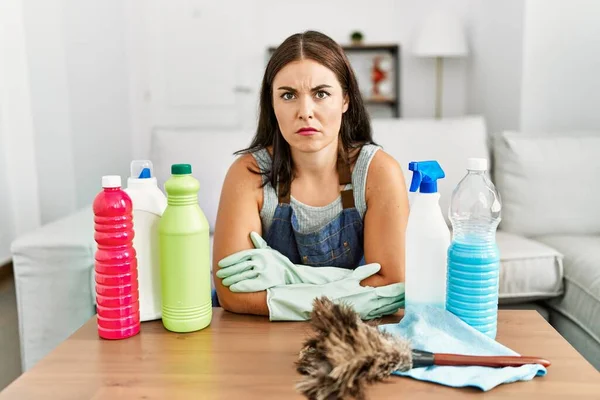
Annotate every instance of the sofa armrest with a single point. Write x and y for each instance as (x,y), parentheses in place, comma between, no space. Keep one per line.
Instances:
(53,267)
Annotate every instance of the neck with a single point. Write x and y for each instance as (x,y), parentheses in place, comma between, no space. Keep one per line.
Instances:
(318,165)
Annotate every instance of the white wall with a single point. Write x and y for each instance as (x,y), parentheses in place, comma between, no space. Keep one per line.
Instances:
(382,21)
(561,64)
(495,63)
(265,23)
(19,204)
(51,108)
(486,82)
(79,89)
(97,68)
(7,229)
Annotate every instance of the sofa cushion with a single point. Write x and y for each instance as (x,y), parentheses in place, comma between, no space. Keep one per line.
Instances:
(209,151)
(581,300)
(529,270)
(540,178)
(450,141)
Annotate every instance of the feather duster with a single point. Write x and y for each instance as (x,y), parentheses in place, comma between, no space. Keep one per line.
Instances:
(344,355)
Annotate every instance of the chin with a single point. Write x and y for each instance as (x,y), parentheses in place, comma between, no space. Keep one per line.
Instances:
(307,148)
(308,144)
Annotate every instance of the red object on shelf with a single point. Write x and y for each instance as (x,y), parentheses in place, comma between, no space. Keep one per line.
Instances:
(377,75)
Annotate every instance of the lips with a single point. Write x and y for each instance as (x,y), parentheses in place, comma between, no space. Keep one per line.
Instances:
(306,131)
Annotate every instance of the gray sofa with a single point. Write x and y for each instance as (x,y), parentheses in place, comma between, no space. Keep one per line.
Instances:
(550,258)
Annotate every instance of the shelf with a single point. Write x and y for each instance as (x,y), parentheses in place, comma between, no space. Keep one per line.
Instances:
(392,48)
(380,101)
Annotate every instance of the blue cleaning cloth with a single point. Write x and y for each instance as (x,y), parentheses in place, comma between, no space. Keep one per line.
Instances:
(439,331)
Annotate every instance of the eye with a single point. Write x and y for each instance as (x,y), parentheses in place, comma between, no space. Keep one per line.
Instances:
(287,96)
(321,94)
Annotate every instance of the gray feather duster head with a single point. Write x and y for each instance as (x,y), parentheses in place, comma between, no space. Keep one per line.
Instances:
(344,354)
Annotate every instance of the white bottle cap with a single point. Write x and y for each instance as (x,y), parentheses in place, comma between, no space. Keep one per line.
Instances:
(477,164)
(111,181)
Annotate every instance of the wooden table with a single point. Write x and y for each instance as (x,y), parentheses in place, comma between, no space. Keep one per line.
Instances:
(246,357)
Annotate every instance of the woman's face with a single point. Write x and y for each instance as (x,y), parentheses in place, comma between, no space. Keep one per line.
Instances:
(309,103)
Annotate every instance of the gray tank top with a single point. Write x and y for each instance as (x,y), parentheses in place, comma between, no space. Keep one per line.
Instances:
(311,219)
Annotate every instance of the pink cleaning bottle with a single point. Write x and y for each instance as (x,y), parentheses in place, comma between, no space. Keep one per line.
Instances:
(117,295)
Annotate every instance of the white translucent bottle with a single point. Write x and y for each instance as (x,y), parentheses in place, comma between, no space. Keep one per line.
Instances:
(474,257)
(149,203)
(427,239)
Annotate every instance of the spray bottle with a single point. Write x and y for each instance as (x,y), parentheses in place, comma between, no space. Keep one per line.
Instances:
(427,239)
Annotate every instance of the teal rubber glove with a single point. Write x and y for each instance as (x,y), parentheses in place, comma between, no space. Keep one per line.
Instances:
(258,269)
(294,302)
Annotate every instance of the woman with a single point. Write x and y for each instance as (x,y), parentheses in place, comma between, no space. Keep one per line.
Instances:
(312,183)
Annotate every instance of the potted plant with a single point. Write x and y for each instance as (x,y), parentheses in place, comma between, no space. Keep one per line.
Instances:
(357,38)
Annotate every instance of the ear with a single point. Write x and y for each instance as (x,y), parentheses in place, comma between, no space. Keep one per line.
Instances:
(345,104)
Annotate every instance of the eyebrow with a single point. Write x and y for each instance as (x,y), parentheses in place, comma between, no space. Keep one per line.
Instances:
(291,89)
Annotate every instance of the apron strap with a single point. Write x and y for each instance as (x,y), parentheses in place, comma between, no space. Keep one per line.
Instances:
(345,178)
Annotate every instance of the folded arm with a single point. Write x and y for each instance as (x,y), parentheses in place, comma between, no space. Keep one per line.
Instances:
(262,268)
(238,215)
(385,220)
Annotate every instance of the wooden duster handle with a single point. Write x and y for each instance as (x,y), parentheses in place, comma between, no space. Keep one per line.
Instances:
(487,361)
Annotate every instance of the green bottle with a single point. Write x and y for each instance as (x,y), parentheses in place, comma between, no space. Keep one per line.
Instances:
(184,255)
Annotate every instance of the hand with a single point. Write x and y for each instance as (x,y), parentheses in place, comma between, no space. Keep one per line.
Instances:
(294,302)
(258,269)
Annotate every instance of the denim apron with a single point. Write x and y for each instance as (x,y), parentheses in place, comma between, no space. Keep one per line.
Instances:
(337,244)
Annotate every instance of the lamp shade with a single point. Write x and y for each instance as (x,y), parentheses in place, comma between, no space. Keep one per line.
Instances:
(441,35)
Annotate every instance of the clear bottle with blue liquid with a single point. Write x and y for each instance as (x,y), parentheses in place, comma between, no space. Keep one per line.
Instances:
(473,255)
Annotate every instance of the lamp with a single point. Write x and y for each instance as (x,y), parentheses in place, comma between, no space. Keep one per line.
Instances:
(441,35)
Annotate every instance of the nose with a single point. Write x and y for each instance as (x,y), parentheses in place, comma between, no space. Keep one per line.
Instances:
(306,108)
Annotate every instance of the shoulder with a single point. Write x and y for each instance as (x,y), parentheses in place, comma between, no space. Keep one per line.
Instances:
(242,177)
(384,165)
(384,172)
(241,165)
